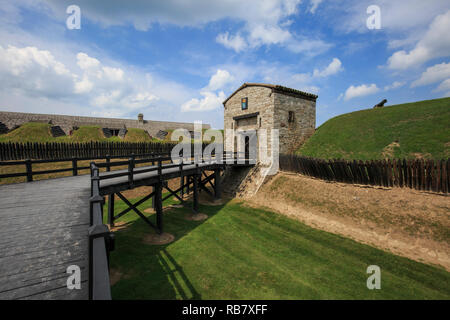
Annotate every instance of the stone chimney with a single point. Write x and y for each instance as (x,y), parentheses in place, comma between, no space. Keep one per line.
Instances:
(141,118)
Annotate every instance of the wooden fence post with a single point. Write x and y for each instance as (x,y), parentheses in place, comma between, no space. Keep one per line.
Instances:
(74,166)
(29,170)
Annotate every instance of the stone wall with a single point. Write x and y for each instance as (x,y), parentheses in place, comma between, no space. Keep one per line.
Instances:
(14,119)
(273,108)
(293,134)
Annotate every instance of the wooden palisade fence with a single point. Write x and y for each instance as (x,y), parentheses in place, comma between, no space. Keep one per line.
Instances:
(21,151)
(417,174)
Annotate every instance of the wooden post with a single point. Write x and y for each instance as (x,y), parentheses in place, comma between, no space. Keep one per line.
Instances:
(154,198)
(217,185)
(181,179)
(130,170)
(196,177)
(158,207)
(111,210)
(29,170)
(108,163)
(74,166)
(188,181)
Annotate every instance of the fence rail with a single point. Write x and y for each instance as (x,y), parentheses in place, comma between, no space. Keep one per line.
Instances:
(53,150)
(430,175)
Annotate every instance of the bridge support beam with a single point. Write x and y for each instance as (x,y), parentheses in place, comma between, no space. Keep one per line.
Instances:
(111,209)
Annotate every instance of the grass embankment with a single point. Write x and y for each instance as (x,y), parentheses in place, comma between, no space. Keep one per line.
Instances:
(206,139)
(40,132)
(246,253)
(412,130)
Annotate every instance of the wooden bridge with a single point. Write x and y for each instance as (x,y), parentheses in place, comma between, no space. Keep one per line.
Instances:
(49,225)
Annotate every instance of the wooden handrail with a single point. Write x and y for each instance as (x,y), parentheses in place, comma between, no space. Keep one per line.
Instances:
(101,242)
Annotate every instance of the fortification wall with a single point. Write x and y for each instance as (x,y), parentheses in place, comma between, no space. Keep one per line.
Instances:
(14,119)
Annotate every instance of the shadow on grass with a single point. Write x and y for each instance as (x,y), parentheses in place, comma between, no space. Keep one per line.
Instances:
(145,271)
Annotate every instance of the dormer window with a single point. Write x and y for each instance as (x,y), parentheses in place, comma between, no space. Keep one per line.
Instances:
(244,103)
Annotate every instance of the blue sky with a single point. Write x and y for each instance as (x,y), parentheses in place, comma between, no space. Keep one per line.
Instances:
(178,60)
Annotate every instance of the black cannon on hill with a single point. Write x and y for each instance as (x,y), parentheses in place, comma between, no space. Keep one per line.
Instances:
(381,104)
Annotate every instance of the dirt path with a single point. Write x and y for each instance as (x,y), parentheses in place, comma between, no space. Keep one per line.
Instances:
(406,222)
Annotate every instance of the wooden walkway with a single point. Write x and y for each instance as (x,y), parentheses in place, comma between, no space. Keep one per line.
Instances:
(43,230)
(44,226)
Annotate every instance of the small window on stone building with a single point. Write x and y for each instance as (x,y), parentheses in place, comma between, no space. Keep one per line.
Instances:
(260,122)
(244,103)
(291,117)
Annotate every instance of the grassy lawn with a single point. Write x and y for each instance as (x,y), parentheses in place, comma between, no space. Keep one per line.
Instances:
(412,130)
(246,253)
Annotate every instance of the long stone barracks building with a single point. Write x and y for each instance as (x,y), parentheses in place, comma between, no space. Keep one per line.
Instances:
(11,120)
(256,106)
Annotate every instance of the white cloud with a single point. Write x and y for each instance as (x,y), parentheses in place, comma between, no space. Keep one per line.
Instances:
(397,17)
(237,43)
(359,91)
(260,34)
(394,85)
(86,63)
(83,86)
(445,85)
(435,43)
(433,74)
(33,71)
(143,13)
(314,5)
(264,22)
(220,79)
(30,72)
(334,67)
(210,101)
(309,47)
(212,98)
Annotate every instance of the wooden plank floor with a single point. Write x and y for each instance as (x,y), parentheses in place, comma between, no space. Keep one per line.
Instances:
(43,230)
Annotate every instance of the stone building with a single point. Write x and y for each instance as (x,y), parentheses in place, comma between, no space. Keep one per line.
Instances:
(255,106)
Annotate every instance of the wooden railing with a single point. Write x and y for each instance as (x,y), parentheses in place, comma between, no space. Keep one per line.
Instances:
(157,163)
(429,175)
(101,242)
(133,160)
(29,173)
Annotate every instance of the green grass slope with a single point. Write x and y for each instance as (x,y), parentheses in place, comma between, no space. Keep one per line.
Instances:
(412,130)
(29,132)
(137,135)
(247,253)
(40,132)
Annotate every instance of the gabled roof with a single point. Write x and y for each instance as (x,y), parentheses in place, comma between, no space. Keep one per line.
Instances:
(276,88)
